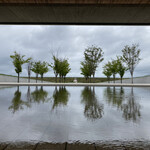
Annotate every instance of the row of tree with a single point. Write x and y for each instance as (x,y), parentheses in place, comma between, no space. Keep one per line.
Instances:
(92,57)
(60,66)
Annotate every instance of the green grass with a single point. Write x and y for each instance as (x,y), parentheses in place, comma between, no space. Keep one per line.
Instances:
(7,75)
(69,79)
(79,79)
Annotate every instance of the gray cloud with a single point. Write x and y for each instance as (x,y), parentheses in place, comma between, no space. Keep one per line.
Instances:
(70,42)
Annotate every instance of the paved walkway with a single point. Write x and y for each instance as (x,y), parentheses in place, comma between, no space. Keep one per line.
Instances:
(74,84)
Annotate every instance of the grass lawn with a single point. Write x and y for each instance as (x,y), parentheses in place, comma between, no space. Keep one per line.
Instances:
(79,79)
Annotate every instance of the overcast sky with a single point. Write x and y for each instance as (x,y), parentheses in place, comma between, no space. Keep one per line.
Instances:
(70,42)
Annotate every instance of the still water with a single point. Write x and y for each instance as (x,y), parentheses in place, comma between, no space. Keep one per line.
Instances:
(68,114)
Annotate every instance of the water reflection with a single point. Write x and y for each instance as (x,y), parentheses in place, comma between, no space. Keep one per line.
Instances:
(127,103)
(60,96)
(131,110)
(17,102)
(38,95)
(115,96)
(93,109)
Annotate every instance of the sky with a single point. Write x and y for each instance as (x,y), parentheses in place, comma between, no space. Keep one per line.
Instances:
(40,42)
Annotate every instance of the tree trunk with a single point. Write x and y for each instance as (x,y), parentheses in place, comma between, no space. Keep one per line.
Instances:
(36,77)
(18,77)
(56,78)
(108,79)
(59,78)
(114,78)
(29,78)
(17,88)
(42,78)
(29,94)
(93,78)
(121,80)
(132,77)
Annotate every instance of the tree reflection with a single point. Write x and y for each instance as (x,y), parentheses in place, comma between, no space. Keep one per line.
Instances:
(29,94)
(131,110)
(17,102)
(60,96)
(39,95)
(93,109)
(114,96)
(126,103)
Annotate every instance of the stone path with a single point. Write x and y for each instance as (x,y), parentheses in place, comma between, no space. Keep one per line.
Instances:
(75,146)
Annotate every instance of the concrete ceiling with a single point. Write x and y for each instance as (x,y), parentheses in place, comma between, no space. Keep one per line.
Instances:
(84,12)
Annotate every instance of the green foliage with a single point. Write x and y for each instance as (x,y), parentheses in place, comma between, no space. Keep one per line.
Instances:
(86,69)
(55,66)
(18,61)
(121,68)
(131,57)
(60,67)
(64,67)
(36,68)
(43,68)
(114,68)
(107,70)
(93,55)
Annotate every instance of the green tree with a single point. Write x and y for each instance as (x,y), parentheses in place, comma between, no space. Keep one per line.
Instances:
(114,68)
(121,68)
(131,57)
(93,55)
(55,66)
(86,70)
(43,69)
(18,61)
(60,67)
(65,69)
(107,71)
(36,68)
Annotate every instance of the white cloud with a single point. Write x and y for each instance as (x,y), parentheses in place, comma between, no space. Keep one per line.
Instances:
(70,41)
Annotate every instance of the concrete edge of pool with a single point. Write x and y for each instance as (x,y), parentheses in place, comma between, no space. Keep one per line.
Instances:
(117,145)
(74,84)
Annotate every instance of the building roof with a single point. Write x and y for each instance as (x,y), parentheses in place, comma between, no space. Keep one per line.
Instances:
(75,12)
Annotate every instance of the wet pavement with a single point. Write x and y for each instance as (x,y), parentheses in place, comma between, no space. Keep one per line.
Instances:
(76,146)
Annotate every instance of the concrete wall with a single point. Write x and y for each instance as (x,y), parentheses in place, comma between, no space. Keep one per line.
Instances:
(136,80)
(4,78)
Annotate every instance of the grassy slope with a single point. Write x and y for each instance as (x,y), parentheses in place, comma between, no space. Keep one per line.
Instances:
(79,79)
(7,75)
(68,79)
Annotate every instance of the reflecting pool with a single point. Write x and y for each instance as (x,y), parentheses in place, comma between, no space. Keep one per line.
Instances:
(68,114)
